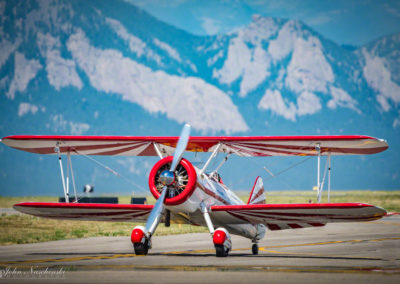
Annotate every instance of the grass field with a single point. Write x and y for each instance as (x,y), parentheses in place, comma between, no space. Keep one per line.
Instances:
(20,229)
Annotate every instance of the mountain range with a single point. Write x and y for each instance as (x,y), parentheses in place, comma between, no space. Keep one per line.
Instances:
(109,68)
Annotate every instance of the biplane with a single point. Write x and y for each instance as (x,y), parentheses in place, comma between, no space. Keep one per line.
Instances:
(188,194)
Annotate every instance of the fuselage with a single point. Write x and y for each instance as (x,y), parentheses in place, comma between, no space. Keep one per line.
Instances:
(209,192)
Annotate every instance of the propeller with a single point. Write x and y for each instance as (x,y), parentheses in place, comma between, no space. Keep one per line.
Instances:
(181,147)
(156,213)
(167,178)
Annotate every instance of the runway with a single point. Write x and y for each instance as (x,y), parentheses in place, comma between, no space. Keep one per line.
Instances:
(367,252)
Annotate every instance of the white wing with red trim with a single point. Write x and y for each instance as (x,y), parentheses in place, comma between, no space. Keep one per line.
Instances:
(87,212)
(294,216)
(242,146)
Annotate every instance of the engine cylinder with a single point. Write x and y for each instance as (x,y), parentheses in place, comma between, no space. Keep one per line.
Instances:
(182,187)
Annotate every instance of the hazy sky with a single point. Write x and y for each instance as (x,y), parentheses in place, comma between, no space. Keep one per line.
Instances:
(343,21)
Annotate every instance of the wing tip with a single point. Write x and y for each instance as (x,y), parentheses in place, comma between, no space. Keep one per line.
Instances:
(381,212)
(20,207)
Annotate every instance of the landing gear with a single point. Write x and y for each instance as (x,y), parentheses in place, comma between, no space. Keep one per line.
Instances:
(221,251)
(140,242)
(221,237)
(222,242)
(254,249)
(167,218)
(141,248)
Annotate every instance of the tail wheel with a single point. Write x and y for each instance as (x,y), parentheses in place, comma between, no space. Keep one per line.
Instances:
(221,251)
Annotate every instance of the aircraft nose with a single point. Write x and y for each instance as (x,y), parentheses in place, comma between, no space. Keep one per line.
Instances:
(167,177)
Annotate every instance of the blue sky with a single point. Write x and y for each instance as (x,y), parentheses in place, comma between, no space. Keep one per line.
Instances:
(345,22)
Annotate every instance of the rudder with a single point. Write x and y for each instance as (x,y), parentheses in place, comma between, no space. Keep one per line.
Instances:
(257,195)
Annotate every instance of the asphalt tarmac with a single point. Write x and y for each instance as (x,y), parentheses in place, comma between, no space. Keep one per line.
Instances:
(354,252)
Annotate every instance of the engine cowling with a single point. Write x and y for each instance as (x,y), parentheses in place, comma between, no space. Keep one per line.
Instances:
(182,187)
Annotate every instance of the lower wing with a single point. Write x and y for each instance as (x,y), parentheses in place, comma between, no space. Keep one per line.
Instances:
(86,211)
(294,216)
(95,212)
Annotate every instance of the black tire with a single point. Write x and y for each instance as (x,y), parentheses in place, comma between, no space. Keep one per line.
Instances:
(167,218)
(220,251)
(140,248)
(254,249)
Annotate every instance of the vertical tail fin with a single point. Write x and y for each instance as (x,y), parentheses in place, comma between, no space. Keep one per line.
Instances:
(257,195)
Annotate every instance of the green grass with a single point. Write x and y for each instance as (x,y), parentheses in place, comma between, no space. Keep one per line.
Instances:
(21,229)
(390,200)
(8,202)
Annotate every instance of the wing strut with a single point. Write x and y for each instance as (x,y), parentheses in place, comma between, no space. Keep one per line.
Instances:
(66,193)
(318,148)
(157,149)
(329,177)
(207,218)
(210,159)
(69,165)
(220,164)
(321,184)
(65,182)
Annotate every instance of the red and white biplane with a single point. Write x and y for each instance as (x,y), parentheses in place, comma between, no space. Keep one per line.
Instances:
(187,194)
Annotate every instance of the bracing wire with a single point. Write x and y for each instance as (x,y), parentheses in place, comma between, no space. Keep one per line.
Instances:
(290,167)
(114,172)
(272,175)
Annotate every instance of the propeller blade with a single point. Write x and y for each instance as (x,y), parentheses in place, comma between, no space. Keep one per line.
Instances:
(181,147)
(156,213)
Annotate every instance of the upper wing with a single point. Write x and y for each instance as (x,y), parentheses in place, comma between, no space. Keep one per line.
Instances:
(242,146)
(293,216)
(88,212)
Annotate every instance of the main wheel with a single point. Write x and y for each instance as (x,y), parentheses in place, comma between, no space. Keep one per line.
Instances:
(254,249)
(141,248)
(220,251)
